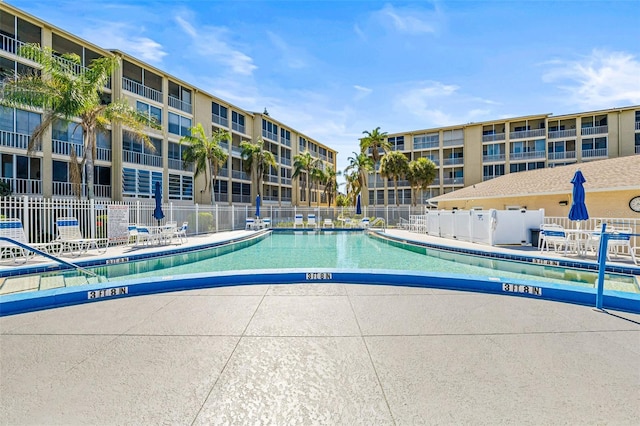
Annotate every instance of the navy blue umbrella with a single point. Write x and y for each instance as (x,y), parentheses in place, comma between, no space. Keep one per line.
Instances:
(578,209)
(358,207)
(258,206)
(158,214)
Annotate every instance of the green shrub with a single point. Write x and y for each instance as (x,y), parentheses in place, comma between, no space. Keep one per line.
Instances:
(101,226)
(206,222)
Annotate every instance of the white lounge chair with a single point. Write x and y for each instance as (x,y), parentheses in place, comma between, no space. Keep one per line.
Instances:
(266,222)
(365,222)
(328,223)
(552,235)
(70,236)
(297,220)
(311,220)
(181,233)
(621,239)
(250,223)
(12,228)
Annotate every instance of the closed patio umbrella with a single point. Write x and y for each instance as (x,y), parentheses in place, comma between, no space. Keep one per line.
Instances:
(358,206)
(258,206)
(158,214)
(578,209)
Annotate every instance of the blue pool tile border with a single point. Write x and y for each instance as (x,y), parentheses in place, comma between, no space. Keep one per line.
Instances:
(46,299)
(530,259)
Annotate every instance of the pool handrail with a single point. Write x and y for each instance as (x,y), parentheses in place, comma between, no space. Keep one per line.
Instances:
(48,256)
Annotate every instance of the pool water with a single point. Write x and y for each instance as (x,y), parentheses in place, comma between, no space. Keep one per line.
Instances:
(349,250)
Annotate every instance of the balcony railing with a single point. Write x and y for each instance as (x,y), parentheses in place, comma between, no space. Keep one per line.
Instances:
(23,186)
(236,150)
(238,127)
(65,147)
(285,161)
(237,198)
(273,179)
(453,181)
(559,134)
(224,122)
(66,189)
(452,161)
(142,90)
(523,134)
(176,164)
(435,182)
(592,153)
(237,174)
(223,172)
(141,158)
(181,105)
(562,155)
(16,140)
(270,135)
(489,177)
(527,155)
(103,154)
(10,44)
(426,145)
(637,149)
(637,125)
(224,146)
(285,181)
(493,137)
(597,130)
(492,158)
(453,142)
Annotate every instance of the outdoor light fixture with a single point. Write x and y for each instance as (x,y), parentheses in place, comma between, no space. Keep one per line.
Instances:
(563,203)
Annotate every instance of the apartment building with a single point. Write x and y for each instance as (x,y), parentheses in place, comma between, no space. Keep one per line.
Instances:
(475,152)
(125,168)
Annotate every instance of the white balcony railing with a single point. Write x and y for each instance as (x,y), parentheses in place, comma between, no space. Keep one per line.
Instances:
(65,147)
(15,140)
(559,134)
(493,137)
(103,154)
(527,155)
(176,164)
(562,155)
(524,134)
(236,150)
(285,141)
(426,145)
(637,125)
(270,135)
(453,142)
(492,158)
(452,161)
(453,181)
(237,174)
(224,122)
(238,127)
(597,130)
(592,153)
(141,89)
(10,44)
(23,186)
(141,158)
(181,105)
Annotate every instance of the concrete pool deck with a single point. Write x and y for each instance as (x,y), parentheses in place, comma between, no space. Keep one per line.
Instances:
(320,354)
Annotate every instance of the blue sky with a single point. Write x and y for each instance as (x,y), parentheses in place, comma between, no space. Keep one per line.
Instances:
(332,69)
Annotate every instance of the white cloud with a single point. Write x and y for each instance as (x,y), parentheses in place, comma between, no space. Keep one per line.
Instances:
(210,42)
(291,57)
(600,80)
(121,36)
(362,92)
(409,20)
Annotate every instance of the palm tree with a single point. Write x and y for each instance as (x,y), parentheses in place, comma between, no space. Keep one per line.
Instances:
(63,94)
(206,153)
(256,161)
(330,183)
(394,166)
(421,174)
(360,165)
(375,141)
(304,162)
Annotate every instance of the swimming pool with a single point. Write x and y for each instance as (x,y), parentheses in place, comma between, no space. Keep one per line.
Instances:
(328,252)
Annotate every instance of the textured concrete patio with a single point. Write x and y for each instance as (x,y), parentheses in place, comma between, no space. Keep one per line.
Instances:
(320,354)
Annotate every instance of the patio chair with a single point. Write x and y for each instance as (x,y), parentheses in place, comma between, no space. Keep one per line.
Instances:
(250,223)
(12,228)
(145,235)
(552,235)
(311,220)
(328,223)
(266,222)
(297,220)
(70,236)
(181,233)
(621,239)
(365,222)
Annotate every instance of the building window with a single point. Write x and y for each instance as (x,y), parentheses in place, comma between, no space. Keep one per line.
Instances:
(269,130)
(397,143)
(219,114)
(521,167)
(152,113)
(180,187)
(237,122)
(302,143)
(179,125)
(139,183)
(426,141)
(285,137)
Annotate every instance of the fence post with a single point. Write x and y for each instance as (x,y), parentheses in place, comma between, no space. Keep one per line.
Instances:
(171,211)
(25,214)
(138,212)
(92,217)
(217,223)
(197,216)
(233,221)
